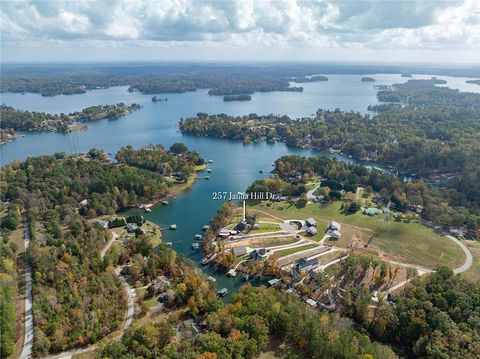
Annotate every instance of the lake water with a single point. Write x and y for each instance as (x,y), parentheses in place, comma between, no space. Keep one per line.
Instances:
(235,165)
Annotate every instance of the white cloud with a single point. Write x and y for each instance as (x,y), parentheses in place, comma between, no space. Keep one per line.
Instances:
(321,24)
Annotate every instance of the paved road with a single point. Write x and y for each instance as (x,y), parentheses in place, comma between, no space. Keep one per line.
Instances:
(28,342)
(464,267)
(468,262)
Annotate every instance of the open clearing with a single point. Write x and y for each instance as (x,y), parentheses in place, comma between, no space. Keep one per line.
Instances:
(407,242)
(285,252)
(474,272)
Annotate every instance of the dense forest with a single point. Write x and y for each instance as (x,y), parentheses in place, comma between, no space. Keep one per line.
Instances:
(436,136)
(41,121)
(73,288)
(244,328)
(8,278)
(435,317)
(178,160)
(439,206)
(218,84)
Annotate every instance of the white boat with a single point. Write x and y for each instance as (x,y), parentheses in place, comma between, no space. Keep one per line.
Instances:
(147,210)
(195,246)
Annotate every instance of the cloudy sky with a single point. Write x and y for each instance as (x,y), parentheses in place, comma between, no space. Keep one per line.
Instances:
(243,30)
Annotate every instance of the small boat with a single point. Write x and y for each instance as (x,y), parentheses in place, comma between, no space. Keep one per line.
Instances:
(164,203)
(147,210)
(195,245)
(273,164)
(173,227)
(204,261)
(23,135)
(207,177)
(211,279)
(209,170)
(10,141)
(159,99)
(206,227)
(198,237)
(210,161)
(260,171)
(169,244)
(223,292)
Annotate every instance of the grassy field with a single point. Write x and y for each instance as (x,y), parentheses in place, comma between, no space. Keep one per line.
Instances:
(265,228)
(288,251)
(270,242)
(474,272)
(408,242)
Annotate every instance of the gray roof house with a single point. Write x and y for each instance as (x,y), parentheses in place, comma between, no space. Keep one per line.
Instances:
(311,222)
(131,227)
(304,264)
(240,251)
(260,254)
(312,230)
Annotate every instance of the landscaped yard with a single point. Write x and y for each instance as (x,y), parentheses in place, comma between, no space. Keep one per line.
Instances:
(270,242)
(265,228)
(408,242)
(285,252)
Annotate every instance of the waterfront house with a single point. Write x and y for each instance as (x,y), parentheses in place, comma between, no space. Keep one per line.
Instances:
(131,227)
(311,222)
(305,264)
(240,251)
(160,284)
(259,255)
(312,230)
(224,233)
(101,223)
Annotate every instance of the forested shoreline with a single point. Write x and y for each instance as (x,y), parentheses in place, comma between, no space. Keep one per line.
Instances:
(59,195)
(434,137)
(21,120)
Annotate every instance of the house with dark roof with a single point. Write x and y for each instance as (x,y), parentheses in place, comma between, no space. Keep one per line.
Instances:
(259,255)
(305,264)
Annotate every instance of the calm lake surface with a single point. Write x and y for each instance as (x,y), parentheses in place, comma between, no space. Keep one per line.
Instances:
(235,164)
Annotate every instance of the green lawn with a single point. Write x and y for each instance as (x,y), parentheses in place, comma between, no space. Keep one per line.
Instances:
(288,251)
(265,228)
(409,242)
(270,242)
(474,272)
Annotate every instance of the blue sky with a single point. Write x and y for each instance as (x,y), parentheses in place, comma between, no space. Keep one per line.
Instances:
(247,30)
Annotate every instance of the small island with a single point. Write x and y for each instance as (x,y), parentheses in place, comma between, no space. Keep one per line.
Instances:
(159,99)
(367,79)
(474,82)
(315,78)
(237,98)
